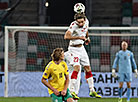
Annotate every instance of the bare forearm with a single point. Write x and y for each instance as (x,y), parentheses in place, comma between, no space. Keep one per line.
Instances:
(68,36)
(87,35)
(71,38)
(66,83)
(47,84)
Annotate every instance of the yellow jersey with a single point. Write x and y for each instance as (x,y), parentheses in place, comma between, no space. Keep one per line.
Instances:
(55,73)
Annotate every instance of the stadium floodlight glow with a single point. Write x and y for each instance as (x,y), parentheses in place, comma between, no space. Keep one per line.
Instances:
(46,4)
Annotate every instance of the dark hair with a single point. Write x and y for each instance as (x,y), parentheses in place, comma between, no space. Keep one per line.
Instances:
(79,16)
(56,54)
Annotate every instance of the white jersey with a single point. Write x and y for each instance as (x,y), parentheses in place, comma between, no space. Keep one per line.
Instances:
(76,31)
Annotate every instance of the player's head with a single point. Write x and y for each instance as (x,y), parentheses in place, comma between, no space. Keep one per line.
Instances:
(58,54)
(124,45)
(80,19)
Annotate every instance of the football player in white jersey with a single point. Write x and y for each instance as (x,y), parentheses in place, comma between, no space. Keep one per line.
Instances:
(77,33)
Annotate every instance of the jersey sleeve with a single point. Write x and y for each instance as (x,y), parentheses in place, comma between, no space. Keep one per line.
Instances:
(116,61)
(66,69)
(72,27)
(47,72)
(133,61)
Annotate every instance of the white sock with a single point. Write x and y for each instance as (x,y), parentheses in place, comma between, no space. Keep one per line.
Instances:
(91,84)
(75,100)
(72,85)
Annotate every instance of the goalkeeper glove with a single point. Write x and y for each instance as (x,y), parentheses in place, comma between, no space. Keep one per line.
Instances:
(136,73)
(113,73)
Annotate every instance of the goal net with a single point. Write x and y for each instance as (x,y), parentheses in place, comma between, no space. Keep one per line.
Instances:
(28,50)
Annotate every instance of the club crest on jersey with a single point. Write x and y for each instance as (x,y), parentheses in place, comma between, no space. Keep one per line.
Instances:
(128,54)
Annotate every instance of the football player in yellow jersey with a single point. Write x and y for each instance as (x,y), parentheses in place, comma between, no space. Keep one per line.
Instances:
(58,77)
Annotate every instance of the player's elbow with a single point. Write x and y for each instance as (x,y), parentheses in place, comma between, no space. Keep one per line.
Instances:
(65,37)
(42,80)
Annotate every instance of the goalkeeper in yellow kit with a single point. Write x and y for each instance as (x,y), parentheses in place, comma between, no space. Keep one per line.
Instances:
(56,72)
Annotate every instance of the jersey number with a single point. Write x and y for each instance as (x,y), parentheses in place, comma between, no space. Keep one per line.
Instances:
(60,75)
(76,59)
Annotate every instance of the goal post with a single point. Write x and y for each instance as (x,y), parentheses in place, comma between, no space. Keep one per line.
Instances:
(27,48)
(10,33)
(6,63)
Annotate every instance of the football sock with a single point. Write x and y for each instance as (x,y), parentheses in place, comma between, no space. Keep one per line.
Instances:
(73,81)
(88,74)
(120,92)
(91,84)
(74,75)
(72,85)
(128,93)
(75,100)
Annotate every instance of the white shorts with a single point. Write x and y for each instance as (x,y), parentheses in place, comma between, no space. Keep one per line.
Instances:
(80,56)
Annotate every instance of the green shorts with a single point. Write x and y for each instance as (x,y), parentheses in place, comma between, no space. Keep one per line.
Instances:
(61,98)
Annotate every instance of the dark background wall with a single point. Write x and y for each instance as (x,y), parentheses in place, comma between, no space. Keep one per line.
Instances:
(60,12)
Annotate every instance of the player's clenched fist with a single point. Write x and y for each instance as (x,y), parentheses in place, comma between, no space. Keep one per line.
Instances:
(63,92)
(87,41)
(56,92)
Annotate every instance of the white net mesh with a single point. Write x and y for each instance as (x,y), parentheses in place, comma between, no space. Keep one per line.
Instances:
(29,51)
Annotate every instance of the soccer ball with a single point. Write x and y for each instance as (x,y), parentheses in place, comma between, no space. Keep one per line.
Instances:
(79,8)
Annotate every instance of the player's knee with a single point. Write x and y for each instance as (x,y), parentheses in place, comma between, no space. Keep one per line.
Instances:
(87,68)
(128,85)
(120,85)
(77,68)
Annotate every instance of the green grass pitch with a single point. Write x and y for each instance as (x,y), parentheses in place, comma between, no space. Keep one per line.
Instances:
(48,99)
